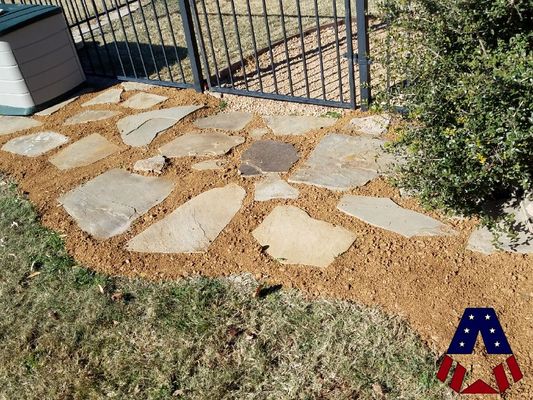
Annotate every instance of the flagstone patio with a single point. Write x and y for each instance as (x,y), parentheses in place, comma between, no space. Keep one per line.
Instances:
(108,204)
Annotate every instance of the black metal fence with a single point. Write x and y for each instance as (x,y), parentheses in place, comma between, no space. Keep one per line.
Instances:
(309,51)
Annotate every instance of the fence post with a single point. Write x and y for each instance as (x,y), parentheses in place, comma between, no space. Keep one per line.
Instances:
(192,45)
(363,53)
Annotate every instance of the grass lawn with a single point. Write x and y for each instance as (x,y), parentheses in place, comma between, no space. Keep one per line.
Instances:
(66,332)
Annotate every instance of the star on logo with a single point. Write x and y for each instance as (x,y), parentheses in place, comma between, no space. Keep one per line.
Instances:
(471,316)
(462,344)
(497,344)
(487,317)
(467,330)
(492,330)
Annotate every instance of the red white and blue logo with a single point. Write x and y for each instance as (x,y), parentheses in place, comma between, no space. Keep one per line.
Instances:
(477,321)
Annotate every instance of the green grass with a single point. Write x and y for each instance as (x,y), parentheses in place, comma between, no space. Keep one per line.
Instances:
(69,333)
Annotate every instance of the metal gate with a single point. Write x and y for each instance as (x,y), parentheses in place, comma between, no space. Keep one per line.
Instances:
(308,51)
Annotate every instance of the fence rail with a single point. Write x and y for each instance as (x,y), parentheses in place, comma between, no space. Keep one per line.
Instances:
(295,50)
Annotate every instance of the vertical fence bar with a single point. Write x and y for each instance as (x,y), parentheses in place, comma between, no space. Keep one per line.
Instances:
(287,58)
(302,45)
(338,50)
(349,48)
(320,54)
(150,46)
(173,35)
(269,39)
(364,53)
(239,43)
(210,37)
(114,36)
(102,35)
(225,41)
(192,45)
(126,42)
(254,44)
(132,21)
(163,47)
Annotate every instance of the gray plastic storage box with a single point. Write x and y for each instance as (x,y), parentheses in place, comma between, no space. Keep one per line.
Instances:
(38,61)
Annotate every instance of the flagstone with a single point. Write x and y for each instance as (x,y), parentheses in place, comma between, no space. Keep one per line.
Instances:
(154,164)
(10,124)
(36,144)
(482,240)
(50,110)
(373,125)
(291,236)
(107,205)
(266,156)
(200,144)
(193,226)
(110,96)
(85,151)
(141,101)
(233,121)
(141,129)
(90,116)
(210,165)
(131,86)
(273,187)
(384,213)
(342,162)
(258,133)
(297,125)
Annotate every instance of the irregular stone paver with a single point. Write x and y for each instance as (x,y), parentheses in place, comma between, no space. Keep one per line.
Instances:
(142,101)
(258,133)
(36,144)
(293,237)
(84,152)
(482,239)
(193,226)
(10,125)
(384,213)
(268,156)
(342,162)
(110,96)
(50,110)
(108,204)
(297,125)
(131,86)
(273,187)
(234,121)
(210,165)
(200,144)
(90,116)
(373,125)
(140,129)
(153,164)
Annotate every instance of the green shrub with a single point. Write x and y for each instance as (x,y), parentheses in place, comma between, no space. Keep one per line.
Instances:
(466,67)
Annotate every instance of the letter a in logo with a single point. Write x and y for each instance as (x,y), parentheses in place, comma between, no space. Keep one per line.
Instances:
(477,321)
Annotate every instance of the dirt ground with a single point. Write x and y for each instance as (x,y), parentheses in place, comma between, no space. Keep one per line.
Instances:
(429,281)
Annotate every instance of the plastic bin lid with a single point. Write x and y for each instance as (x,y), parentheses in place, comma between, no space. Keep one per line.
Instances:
(15,16)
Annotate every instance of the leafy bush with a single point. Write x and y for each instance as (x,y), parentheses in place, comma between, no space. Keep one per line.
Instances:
(467,77)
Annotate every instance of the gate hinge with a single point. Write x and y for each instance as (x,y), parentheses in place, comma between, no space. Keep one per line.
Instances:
(356,60)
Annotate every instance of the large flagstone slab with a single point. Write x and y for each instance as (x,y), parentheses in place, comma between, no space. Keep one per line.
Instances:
(87,116)
(273,187)
(36,144)
(193,226)
(85,151)
(482,240)
(200,144)
(108,204)
(10,125)
(51,110)
(140,129)
(386,214)
(342,162)
(373,125)
(110,96)
(142,101)
(234,121)
(297,125)
(266,156)
(291,236)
